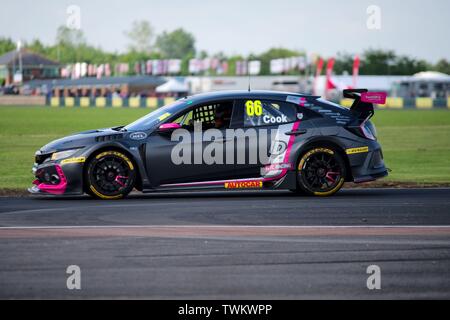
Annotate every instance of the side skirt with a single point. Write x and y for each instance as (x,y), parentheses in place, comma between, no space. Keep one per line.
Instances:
(227,185)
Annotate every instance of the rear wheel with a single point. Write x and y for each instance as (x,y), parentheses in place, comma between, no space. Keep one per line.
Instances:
(321,172)
(110,175)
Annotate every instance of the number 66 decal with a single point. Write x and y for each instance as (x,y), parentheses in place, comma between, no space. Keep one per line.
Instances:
(254,108)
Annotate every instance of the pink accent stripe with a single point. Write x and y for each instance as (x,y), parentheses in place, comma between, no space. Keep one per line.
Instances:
(288,153)
(291,142)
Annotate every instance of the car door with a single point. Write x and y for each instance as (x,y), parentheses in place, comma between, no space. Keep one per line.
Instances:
(185,156)
(262,123)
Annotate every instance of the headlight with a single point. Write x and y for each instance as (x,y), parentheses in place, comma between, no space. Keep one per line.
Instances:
(63,154)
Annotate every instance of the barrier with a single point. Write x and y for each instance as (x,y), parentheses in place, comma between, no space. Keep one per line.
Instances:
(153,103)
(17,100)
(102,102)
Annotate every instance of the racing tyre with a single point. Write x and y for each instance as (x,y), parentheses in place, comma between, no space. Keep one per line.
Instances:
(321,172)
(110,175)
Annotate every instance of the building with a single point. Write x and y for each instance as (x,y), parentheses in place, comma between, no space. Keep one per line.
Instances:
(217,83)
(430,84)
(34,66)
(125,86)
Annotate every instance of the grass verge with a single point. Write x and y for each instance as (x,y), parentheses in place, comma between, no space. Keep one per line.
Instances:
(416,143)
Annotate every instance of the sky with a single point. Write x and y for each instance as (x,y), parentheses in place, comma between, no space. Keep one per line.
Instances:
(416,28)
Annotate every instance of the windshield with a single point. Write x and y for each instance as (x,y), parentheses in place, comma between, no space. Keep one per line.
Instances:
(154,118)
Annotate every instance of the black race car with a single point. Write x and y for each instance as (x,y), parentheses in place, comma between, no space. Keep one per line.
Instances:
(226,140)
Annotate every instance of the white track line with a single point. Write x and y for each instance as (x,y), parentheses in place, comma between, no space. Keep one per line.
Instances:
(224,226)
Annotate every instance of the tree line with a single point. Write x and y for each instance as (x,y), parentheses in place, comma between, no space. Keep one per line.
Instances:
(71,46)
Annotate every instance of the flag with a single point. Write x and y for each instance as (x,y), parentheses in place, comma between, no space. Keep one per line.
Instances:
(149,67)
(356,63)
(329,82)
(330,65)
(107,70)
(319,67)
(193,66)
(254,67)
(276,66)
(174,66)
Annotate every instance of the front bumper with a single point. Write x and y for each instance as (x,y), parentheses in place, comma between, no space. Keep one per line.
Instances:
(54,178)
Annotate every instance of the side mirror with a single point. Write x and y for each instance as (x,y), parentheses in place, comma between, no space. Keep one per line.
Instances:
(168,127)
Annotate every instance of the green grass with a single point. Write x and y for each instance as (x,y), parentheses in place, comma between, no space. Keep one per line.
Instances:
(23,130)
(416,143)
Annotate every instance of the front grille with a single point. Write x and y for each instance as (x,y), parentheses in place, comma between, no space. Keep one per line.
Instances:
(47,174)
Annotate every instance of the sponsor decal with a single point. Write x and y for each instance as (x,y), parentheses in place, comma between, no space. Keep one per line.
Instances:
(374,97)
(278,166)
(357,150)
(293,99)
(164,116)
(74,160)
(296,100)
(280,119)
(116,154)
(253,108)
(243,184)
(300,116)
(301,101)
(279,147)
(138,135)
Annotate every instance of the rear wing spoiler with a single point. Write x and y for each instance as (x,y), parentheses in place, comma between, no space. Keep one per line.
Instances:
(362,107)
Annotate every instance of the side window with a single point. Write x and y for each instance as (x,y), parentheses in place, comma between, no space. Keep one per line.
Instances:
(214,115)
(266,112)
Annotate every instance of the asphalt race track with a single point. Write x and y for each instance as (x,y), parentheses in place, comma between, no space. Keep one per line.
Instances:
(229,245)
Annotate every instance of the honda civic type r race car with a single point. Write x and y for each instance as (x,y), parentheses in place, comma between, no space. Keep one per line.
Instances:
(225,140)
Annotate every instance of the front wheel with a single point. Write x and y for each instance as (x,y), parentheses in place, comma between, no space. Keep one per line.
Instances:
(321,172)
(110,175)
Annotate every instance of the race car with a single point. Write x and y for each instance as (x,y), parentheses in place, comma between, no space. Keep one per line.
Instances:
(230,140)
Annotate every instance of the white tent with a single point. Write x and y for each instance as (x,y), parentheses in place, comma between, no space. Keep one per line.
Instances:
(431,76)
(173,86)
